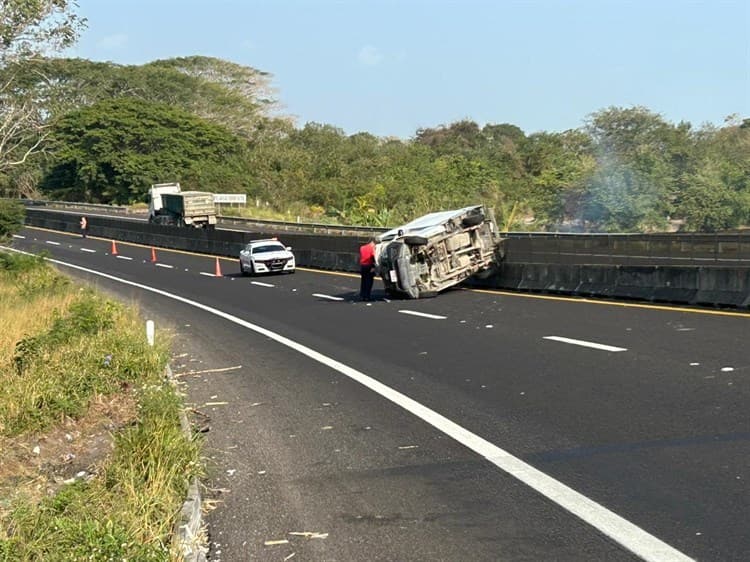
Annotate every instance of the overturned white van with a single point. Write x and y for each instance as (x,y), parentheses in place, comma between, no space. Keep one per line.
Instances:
(437,251)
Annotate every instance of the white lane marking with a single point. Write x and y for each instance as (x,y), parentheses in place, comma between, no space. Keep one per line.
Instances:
(423,314)
(261,284)
(123,258)
(207,274)
(89,250)
(53,242)
(583,343)
(19,236)
(329,297)
(619,529)
(164,265)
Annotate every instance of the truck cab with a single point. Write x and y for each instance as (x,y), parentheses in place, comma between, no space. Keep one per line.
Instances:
(155,202)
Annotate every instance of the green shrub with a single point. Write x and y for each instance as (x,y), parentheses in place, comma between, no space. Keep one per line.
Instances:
(12,215)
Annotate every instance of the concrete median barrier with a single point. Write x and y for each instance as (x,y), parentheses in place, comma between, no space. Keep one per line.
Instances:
(688,284)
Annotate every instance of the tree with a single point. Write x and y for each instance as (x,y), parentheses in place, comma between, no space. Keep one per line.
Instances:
(112,151)
(234,96)
(558,165)
(28,29)
(11,217)
(716,193)
(636,173)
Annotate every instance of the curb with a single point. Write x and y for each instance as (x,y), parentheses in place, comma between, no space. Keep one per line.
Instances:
(187,536)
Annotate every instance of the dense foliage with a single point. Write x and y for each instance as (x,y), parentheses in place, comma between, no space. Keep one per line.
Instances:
(111,151)
(210,124)
(12,214)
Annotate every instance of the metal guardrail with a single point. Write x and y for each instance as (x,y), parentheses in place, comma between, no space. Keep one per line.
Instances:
(314,228)
(116,209)
(262,224)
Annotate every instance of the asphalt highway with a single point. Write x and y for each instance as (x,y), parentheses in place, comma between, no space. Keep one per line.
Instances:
(472,426)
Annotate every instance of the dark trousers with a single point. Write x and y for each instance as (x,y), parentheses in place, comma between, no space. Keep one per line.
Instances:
(368,276)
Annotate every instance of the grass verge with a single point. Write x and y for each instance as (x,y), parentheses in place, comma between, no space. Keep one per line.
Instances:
(75,364)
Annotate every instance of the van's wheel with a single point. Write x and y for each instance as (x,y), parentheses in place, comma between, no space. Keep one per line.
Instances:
(473,220)
(415,240)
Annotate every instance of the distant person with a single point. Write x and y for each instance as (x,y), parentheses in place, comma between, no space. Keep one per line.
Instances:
(366,269)
(84,227)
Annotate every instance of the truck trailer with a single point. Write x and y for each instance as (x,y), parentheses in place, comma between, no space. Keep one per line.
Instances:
(169,205)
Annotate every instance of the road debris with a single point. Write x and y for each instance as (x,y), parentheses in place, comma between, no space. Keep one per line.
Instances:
(309,534)
(275,542)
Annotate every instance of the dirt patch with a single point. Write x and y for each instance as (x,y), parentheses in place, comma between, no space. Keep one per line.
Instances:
(37,466)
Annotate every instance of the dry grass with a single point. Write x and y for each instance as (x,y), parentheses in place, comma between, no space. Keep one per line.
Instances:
(81,392)
(25,314)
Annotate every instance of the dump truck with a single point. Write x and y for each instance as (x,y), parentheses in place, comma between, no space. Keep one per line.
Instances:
(437,251)
(170,205)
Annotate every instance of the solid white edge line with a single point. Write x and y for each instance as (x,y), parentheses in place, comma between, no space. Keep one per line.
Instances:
(164,265)
(423,314)
(89,250)
(584,343)
(329,297)
(261,284)
(619,529)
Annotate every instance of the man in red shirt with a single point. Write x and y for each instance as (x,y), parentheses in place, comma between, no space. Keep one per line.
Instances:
(366,269)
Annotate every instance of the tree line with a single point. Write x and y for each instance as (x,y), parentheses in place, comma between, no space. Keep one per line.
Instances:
(102,132)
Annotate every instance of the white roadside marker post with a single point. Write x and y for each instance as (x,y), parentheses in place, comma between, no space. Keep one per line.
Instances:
(150,332)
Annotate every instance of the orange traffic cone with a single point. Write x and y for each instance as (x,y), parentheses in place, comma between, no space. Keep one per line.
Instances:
(218,269)
(114,248)
(153,254)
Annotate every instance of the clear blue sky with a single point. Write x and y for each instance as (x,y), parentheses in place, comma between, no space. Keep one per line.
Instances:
(389,67)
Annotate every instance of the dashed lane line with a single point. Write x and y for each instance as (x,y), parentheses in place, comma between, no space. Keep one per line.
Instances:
(423,314)
(89,250)
(124,258)
(261,284)
(584,343)
(329,297)
(53,242)
(165,265)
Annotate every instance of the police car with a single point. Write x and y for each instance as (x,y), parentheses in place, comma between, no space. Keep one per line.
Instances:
(266,256)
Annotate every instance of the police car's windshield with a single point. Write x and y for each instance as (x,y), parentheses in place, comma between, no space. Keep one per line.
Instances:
(268,248)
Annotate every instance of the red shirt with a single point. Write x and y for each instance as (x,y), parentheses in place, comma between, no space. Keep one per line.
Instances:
(367,254)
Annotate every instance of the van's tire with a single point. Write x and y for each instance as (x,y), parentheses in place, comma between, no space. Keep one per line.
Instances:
(415,240)
(473,220)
